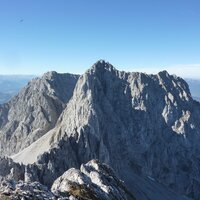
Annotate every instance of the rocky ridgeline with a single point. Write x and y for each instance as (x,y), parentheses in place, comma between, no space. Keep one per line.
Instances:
(94,181)
(146,127)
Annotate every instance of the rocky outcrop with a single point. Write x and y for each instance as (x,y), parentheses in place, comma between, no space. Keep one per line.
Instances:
(11,190)
(93,181)
(34,111)
(10,169)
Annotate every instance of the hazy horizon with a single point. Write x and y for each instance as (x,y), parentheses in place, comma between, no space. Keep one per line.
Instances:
(187,72)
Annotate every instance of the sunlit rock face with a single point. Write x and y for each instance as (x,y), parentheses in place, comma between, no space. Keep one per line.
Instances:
(34,111)
(141,125)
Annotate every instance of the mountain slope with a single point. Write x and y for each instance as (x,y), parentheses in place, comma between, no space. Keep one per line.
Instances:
(141,125)
(34,111)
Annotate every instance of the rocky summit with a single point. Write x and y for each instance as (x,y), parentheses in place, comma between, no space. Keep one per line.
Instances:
(145,127)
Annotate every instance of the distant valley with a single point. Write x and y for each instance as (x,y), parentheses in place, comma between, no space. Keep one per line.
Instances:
(194,85)
(11,84)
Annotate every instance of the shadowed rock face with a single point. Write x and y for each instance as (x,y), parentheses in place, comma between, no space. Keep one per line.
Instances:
(34,111)
(94,180)
(10,169)
(141,125)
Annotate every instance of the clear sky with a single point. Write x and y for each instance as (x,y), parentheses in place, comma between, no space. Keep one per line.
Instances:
(70,35)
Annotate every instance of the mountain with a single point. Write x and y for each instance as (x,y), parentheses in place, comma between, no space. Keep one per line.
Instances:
(194,85)
(34,111)
(10,85)
(146,127)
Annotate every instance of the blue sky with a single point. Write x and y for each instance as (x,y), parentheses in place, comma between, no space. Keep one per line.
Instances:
(70,35)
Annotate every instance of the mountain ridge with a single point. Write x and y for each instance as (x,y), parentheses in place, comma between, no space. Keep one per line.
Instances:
(141,125)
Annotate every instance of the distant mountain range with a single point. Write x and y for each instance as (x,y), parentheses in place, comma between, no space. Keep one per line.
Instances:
(194,85)
(11,84)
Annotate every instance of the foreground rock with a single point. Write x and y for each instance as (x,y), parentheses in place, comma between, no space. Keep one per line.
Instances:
(22,190)
(93,181)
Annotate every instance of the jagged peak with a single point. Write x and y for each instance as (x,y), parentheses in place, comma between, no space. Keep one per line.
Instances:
(49,74)
(101,61)
(164,73)
(102,65)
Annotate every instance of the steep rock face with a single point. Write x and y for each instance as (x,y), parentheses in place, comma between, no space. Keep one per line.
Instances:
(34,111)
(146,125)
